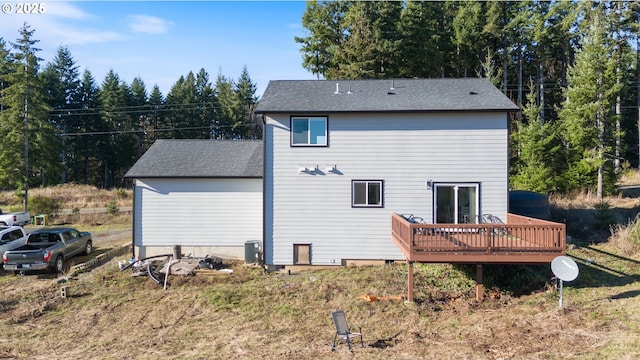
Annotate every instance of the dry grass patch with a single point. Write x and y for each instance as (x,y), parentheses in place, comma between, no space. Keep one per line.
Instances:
(255,315)
(250,314)
(71,196)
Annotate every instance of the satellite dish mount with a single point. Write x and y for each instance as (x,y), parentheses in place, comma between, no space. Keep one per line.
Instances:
(565,269)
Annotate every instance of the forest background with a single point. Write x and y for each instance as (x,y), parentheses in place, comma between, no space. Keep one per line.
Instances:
(572,67)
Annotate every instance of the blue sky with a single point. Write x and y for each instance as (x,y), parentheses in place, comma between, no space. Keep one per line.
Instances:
(159,41)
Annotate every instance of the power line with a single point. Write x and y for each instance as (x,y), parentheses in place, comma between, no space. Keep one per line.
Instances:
(120,132)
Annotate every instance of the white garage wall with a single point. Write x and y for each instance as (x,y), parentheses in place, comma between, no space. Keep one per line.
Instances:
(197,212)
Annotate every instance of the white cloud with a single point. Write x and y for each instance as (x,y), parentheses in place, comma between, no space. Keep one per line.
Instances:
(149,24)
(59,24)
(66,10)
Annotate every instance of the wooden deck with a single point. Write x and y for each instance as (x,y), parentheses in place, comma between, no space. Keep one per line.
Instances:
(521,240)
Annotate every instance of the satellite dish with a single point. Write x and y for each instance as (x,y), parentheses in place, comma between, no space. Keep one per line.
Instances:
(564,268)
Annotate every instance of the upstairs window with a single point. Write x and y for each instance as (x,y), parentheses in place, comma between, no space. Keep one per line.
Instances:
(366,193)
(309,131)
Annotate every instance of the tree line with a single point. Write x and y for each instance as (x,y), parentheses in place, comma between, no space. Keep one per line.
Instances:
(58,125)
(572,66)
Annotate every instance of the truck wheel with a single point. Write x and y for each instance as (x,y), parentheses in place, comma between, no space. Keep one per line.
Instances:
(88,247)
(58,265)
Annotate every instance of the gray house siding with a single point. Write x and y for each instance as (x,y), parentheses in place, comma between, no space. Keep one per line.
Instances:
(203,216)
(404,150)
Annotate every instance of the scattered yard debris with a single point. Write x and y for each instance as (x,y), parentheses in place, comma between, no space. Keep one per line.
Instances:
(160,267)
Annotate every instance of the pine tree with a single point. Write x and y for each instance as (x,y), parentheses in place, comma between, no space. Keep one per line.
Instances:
(30,148)
(120,144)
(206,103)
(325,22)
(90,136)
(587,122)
(182,100)
(156,128)
(356,58)
(421,45)
(138,105)
(61,82)
(6,66)
(248,125)
(226,115)
(536,151)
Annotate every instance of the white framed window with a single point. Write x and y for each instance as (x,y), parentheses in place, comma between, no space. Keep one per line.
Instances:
(309,131)
(366,193)
(456,203)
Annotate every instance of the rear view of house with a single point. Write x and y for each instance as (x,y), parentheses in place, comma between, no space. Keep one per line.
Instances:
(342,156)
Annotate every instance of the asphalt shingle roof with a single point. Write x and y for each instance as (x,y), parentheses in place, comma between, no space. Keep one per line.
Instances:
(200,159)
(398,95)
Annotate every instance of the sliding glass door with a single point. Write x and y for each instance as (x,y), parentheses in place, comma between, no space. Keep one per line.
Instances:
(456,203)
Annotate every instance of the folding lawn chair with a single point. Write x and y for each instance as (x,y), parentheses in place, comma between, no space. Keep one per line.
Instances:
(342,330)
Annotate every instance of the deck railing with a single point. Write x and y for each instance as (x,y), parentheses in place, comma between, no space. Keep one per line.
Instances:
(521,239)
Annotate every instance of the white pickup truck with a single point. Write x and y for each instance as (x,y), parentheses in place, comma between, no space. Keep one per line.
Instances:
(15,218)
(11,237)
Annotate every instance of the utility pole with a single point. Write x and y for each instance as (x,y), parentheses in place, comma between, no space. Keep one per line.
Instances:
(26,138)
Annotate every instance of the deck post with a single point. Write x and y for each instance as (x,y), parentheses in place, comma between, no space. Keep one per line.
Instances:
(410,281)
(479,282)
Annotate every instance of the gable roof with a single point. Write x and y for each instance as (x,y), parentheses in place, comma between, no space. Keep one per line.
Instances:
(397,95)
(191,158)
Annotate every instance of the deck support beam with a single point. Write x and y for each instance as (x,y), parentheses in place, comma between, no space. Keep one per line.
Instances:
(410,281)
(479,291)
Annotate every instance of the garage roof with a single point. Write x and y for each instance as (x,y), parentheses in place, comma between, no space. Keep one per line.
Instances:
(169,158)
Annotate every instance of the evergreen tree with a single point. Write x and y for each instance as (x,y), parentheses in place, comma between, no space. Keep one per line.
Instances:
(536,151)
(121,150)
(206,103)
(422,47)
(6,66)
(182,99)
(248,125)
(139,110)
(356,58)
(30,148)
(91,134)
(587,122)
(61,82)
(226,115)
(156,128)
(467,25)
(325,22)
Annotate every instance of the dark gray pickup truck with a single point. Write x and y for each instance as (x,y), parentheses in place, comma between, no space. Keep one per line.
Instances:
(47,249)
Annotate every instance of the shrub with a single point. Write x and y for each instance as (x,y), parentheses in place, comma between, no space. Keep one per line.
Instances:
(112,207)
(122,193)
(604,215)
(44,205)
(627,238)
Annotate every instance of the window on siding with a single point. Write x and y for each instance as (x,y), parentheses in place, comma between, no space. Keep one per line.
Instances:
(309,131)
(366,193)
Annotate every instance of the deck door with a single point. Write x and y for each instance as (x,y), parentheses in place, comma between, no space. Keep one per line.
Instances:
(456,203)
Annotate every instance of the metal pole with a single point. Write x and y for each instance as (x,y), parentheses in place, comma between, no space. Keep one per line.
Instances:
(560,293)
